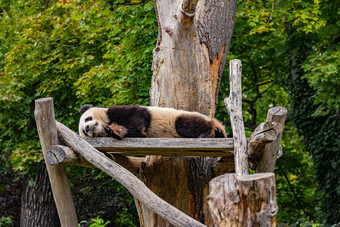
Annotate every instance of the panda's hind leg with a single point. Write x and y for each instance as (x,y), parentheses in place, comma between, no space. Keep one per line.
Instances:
(189,126)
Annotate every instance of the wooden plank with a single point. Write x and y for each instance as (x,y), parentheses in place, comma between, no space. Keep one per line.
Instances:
(213,147)
(59,154)
(44,117)
(234,106)
(135,186)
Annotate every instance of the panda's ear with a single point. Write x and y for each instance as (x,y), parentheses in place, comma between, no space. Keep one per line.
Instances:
(84,108)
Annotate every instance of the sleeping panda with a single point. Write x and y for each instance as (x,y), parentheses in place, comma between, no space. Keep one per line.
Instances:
(147,121)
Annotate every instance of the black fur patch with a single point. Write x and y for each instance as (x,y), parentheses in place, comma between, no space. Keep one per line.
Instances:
(135,119)
(84,108)
(88,119)
(219,133)
(189,126)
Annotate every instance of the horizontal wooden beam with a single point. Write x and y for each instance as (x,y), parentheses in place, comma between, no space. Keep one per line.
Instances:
(212,147)
(59,154)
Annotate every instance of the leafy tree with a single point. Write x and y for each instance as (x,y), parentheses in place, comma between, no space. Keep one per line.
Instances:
(77,53)
(101,53)
(290,54)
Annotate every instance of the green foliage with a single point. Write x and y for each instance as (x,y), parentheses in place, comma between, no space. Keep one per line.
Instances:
(264,40)
(6,222)
(96,222)
(311,91)
(76,53)
(82,52)
(97,194)
(125,218)
(323,76)
(101,53)
(295,182)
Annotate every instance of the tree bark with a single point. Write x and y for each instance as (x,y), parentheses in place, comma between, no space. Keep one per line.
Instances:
(234,106)
(248,200)
(273,150)
(37,204)
(265,133)
(189,59)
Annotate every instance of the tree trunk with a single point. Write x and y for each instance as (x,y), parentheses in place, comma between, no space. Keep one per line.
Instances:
(37,203)
(189,59)
(247,200)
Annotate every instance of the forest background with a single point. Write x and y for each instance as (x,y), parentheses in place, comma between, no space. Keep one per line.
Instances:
(100,52)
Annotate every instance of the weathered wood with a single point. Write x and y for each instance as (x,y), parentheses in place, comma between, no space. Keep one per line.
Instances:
(188,7)
(234,106)
(193,41)
(257,194)
(59,154)
(223,165)
(192,45)
(247,200)
(264,133)
(37,202)
(224,201)
(165,146)
(45,119)
(135,186)
(64,155)
(273,150)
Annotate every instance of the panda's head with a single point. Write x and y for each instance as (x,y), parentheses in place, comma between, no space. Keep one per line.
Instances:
(93,121)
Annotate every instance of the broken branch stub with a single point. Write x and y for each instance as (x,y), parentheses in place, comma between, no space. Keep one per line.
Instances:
(265,133)
(272,150)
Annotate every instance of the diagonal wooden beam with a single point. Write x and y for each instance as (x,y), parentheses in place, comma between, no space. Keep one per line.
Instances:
(135,186)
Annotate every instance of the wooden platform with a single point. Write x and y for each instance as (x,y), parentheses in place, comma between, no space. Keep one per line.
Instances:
(220,147)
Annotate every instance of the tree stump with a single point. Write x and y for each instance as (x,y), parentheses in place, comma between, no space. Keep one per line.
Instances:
(247,200)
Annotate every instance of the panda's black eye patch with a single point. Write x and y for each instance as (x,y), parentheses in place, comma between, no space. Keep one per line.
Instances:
(88,119)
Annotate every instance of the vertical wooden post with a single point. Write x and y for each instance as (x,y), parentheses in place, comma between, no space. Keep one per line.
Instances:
(45,119)
(241,199)
(234,106)
(273,150)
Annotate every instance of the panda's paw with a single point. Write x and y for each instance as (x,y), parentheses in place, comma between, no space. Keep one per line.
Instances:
(116,131)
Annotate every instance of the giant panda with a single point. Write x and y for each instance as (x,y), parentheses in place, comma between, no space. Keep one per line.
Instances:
(147,121)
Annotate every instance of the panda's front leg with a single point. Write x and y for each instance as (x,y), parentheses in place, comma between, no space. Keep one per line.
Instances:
(116,131)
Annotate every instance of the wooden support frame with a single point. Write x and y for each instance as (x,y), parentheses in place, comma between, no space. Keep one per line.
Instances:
(59,154)
(135,186)
(231,199)
(44,117)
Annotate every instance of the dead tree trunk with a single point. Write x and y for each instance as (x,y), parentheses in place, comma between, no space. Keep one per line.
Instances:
(37,203)
(189,59)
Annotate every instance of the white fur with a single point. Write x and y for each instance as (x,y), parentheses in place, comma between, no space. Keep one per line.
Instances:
(96,125)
